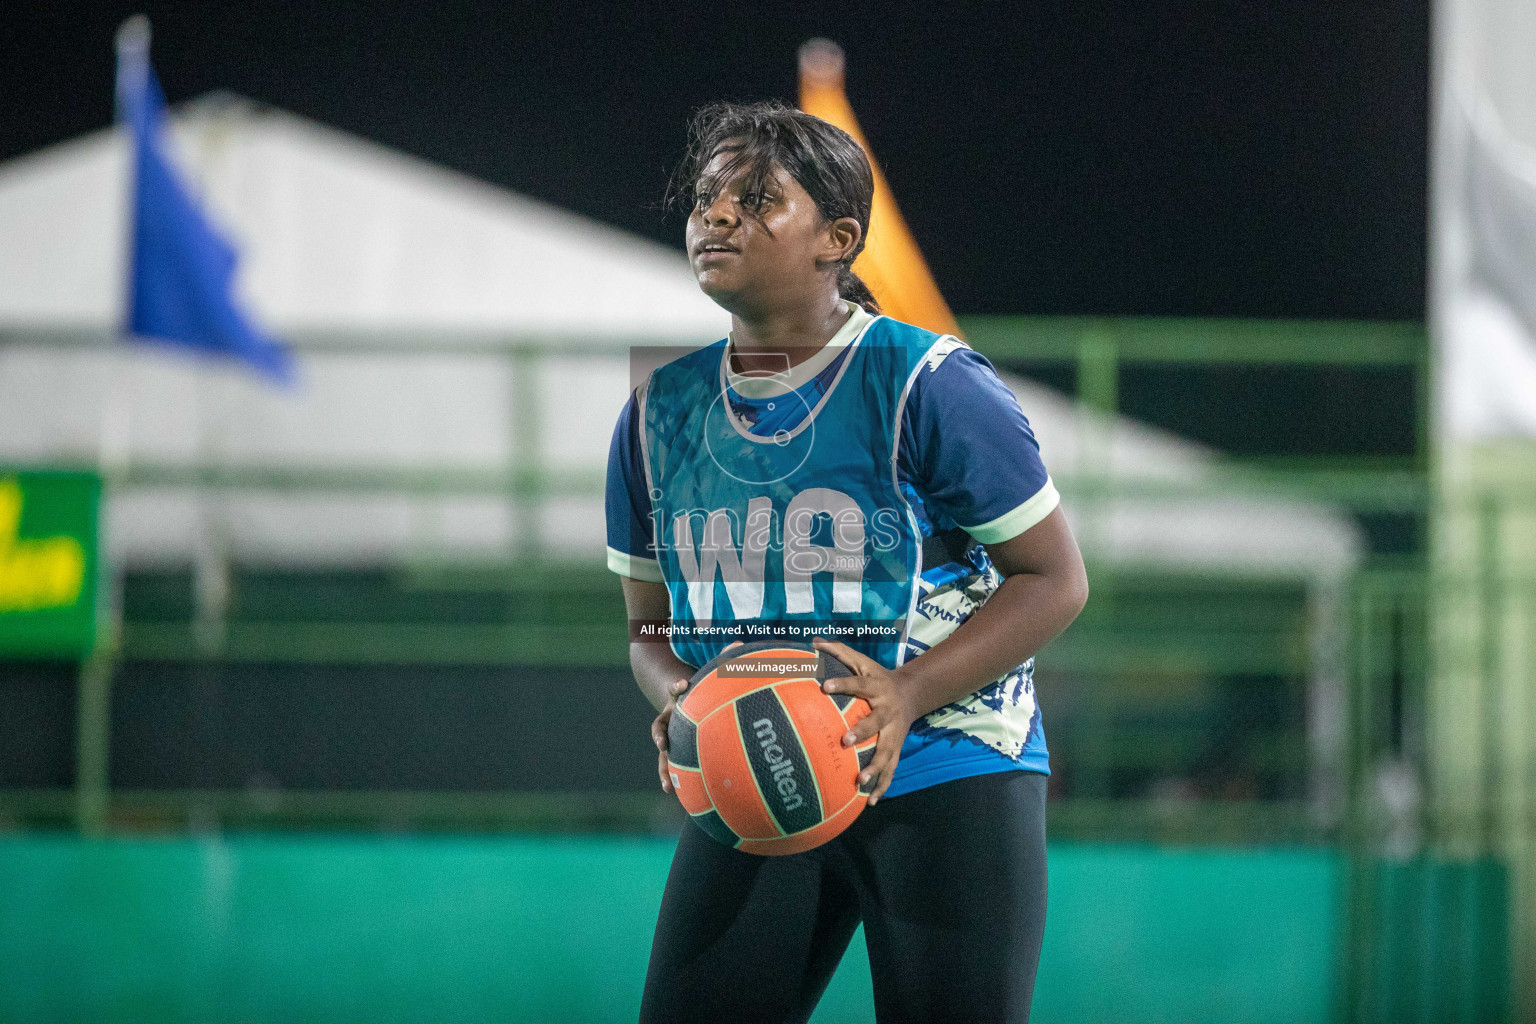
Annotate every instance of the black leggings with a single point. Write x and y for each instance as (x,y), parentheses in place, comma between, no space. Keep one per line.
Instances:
(948,880)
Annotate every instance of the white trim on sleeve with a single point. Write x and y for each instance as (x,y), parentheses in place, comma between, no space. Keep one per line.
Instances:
(1010,524)
(634,566)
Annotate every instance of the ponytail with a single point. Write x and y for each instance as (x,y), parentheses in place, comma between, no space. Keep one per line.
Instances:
(851,287)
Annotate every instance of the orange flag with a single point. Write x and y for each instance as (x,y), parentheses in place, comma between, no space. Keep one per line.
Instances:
(891,264)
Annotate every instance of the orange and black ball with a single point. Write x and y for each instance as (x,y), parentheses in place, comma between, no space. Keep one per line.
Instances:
(756,753)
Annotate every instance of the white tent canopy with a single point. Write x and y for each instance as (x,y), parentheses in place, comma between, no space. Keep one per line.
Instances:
(405,286)
(339,234)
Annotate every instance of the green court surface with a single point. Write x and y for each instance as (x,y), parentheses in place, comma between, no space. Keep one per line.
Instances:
(343,928)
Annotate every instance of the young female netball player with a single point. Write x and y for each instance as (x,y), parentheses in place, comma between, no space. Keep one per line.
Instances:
(741,479)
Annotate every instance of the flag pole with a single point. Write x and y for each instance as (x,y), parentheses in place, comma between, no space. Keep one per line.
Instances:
(93,718)
(132,78)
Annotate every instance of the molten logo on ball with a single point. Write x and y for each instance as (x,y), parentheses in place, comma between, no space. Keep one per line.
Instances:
(783,769)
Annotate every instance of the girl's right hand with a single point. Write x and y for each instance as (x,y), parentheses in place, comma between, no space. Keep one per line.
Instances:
(659,731)
(659,726)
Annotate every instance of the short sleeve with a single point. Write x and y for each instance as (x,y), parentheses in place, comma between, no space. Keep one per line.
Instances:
(972,452)
(631,541)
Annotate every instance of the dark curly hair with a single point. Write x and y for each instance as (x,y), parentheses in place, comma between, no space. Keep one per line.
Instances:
(827,162)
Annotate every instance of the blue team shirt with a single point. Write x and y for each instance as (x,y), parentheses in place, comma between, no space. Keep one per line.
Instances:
(967,455)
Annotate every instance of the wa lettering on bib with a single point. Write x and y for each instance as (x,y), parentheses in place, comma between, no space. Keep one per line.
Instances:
(806,530)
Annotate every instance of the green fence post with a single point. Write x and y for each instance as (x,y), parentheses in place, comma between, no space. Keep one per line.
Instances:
(527,450)
(93,721)
(1355,988)
(1490,670)
(1098,370)
(1098,389)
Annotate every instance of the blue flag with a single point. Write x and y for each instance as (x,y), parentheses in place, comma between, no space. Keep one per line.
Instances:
(181,270)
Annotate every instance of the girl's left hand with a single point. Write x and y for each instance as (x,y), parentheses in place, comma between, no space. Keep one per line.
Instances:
(890,716)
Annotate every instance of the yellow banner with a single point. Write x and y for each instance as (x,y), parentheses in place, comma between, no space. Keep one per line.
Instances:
(48,539)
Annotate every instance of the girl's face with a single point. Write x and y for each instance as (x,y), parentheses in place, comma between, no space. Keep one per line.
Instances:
(757,250)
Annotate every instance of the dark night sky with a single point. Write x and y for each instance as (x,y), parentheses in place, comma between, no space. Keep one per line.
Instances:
(1216,158)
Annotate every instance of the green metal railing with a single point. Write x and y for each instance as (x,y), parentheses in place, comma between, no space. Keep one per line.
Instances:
(1099,348)
(1388,614)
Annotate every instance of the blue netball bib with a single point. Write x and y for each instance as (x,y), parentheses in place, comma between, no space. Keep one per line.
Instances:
(801,531)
